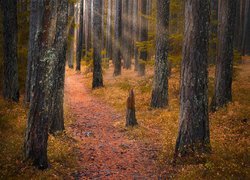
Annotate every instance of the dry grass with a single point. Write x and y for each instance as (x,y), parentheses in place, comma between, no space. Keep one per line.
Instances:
(229,126)
(12,128)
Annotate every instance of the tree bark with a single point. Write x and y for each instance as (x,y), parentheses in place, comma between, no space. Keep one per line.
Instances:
(193,135)
(109,30)
(70,49)
(118,35)
(213,32)
(241,25)
(130,116)
(35,19)
(125,34)
(97,44)
(160,87)
(246,33)
(38,118)
(130,34)
(135,32)
(237,25)
(60,44)
(224,65)
(80,39)
(88,27)
(46,108)
(143,38)
(10,66)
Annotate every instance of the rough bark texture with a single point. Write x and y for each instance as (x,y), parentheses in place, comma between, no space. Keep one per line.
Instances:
(36,16)
(193,135)
(80,39)
(129,34)
(109,30)
(113,16)
(97,44)
(224,64)
(240,26)
(160,87)
(130,116)
(33,50)
(10,67)
(213,32)
(118,34)
(70,48)
(46,105)
(38,118)
(125,35)
(135,32)
(143,37)
(88,27)
(60,44)
(246,31)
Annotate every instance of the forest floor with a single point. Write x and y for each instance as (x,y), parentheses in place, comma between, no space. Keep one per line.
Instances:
(150,146)
(104,150)
(96,144)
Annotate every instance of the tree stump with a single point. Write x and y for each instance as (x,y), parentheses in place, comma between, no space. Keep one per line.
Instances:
(130,117)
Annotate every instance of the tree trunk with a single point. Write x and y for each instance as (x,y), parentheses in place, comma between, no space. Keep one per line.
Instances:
(241,25)
(135,32)
(97,44)
(130,34)
(125,34)
(113,16)
(57,111)
(70,49)
(10,67)
(246,33)
(237,25)
(38,118)
(118,34)
(109,30)
(36,17)
(88,27)
(46,103)
(130,117)
(143,38)
(224,65)
(160,88)
(213,32)
(193,135)
(103,29)
(80,39)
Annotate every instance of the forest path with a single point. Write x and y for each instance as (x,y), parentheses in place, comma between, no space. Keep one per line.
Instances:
(105,151)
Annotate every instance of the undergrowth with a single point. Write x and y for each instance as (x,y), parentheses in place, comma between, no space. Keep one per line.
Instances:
(61,148)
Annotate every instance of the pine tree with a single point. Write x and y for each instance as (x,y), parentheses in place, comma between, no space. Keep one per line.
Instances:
(70,48)
(10,67)
(160,88)
(97,44)
(224,64)
(118,34)
(80,39)
(143,37)
(193,135)
(49,80)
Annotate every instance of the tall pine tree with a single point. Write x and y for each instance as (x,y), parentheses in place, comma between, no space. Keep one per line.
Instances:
(193,135)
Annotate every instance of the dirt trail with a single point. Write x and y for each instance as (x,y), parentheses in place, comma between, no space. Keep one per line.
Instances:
(105,151)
